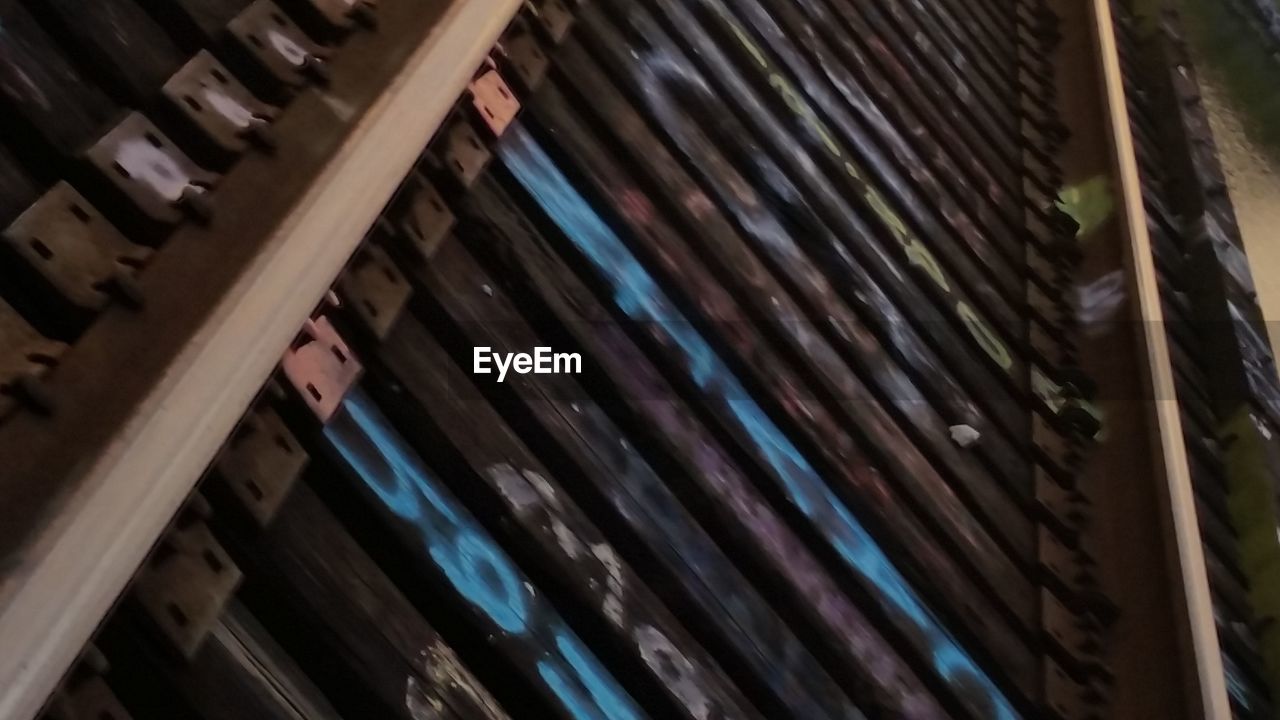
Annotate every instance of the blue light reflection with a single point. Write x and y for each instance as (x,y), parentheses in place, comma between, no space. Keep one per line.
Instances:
(638,296)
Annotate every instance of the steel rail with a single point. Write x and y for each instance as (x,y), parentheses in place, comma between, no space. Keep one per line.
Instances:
(1207,687)
(87,552)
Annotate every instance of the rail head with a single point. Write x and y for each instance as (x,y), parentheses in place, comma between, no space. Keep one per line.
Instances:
(103,528)
(1209,692)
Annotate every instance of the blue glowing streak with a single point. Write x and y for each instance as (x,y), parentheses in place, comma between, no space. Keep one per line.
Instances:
(638,295)
(470,559)
(455,542)
(570,696)
(605,698)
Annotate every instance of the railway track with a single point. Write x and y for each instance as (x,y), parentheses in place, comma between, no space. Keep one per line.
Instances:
(902,361)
